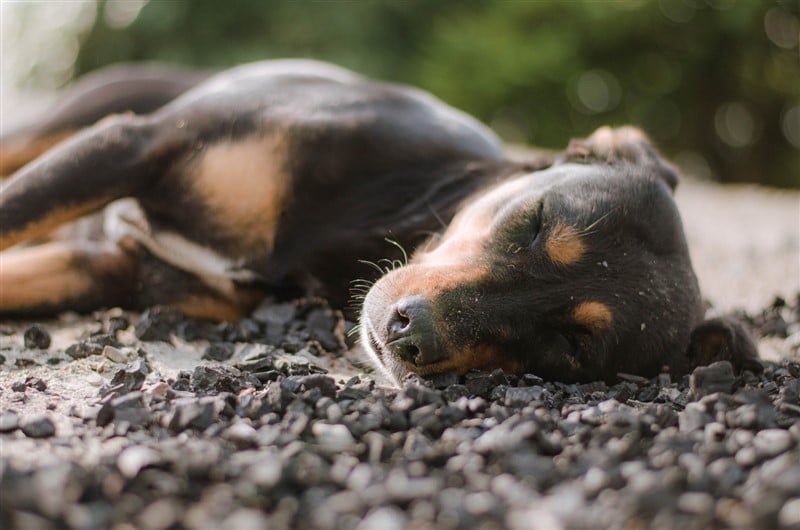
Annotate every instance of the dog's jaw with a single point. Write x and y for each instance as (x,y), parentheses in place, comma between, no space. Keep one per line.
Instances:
(372,346)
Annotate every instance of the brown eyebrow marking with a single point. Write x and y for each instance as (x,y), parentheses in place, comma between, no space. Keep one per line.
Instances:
(564,246)
(595,315)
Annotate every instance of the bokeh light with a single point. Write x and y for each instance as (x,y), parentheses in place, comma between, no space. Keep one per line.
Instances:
(678,11)
(51,50)
(782,28)
(735,124)
(718,79)
(790,124)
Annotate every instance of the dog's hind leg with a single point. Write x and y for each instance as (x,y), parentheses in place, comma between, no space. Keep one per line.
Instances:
(84,275)
(77,275)
(136,88)
(79,176)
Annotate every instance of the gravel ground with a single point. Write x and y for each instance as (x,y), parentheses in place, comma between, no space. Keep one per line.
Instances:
(272,423)
(127,420)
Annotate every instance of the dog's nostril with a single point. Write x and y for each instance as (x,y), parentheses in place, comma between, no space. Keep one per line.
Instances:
(410,334)
(398,325)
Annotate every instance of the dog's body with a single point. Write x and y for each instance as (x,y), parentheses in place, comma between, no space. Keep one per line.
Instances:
(292,173)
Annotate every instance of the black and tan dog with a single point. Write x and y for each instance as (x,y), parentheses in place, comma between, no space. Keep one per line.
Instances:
(293,173)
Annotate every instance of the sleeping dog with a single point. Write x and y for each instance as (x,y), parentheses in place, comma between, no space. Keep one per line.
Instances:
(294,173)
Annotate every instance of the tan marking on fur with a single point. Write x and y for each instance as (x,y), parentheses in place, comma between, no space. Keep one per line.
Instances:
(596,316)
(39,276)
(16,153)
(429,281)
(462,360)
(211,308)
(47,223)
(711,347)
(245,185)
(564,246)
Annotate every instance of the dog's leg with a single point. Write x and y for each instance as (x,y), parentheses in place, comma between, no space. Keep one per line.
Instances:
(81,175)
(78,275)
(137,88)
(83,276)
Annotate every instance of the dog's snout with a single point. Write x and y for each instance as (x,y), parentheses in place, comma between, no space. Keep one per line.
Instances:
(410,333)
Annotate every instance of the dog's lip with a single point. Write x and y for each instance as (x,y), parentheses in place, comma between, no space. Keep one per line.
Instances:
(376,350)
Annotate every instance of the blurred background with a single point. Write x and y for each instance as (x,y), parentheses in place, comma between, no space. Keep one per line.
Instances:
(716,83)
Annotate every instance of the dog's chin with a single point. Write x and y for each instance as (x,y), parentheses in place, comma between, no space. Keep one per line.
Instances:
(376,351)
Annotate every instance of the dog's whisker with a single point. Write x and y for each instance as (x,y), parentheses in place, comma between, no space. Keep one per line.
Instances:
(587,229)
(403,250)
(372,264)
(437,217)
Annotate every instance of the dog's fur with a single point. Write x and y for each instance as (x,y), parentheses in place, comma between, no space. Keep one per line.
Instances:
(294,173)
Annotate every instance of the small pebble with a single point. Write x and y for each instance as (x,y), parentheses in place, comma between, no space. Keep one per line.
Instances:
(716,377)
(38,427)
(118,355)
(36,337)
(219,351)
(9,421)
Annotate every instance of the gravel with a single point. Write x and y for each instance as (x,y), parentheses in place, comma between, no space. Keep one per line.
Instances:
(263,428)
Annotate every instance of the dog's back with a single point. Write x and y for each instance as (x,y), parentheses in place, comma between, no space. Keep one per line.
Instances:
(275,173)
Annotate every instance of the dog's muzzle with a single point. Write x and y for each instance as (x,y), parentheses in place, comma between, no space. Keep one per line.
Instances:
(400,336)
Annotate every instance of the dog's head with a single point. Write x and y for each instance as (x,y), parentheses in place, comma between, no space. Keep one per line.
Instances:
(576,272)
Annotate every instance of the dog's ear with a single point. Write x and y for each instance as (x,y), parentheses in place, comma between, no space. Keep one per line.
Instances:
(623,144)
(724,339)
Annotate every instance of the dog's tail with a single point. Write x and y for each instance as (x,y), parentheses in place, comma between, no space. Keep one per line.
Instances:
(82,174)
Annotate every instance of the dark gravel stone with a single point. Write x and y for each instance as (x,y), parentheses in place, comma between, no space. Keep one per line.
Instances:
(36,337)
(214,379)
(24,362)
(130,408)
(521,396)
(219,351)
(247,330)
(455,392)
(131,377)
(321,323)
(157,324)
(19,386)
(444,380)
(325,384)
(116,324)
(2,359)
(36,383)
(716,377)
(38,427)
(83,349)
(9,421)
(478,383)
(276,319)
(192,413)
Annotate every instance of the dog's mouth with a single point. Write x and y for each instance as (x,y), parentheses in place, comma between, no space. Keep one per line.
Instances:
(377,351)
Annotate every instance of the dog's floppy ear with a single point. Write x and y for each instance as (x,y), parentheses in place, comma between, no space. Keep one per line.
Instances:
(622,144)
(724,339)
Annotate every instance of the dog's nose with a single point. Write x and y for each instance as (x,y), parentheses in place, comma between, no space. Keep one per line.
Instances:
(410,333)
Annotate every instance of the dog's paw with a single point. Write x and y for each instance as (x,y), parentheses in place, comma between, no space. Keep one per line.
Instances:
(724,339)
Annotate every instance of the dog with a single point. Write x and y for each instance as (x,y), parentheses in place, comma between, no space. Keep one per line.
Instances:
(220,189)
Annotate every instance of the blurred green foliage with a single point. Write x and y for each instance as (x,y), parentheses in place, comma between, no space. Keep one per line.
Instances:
(716,83)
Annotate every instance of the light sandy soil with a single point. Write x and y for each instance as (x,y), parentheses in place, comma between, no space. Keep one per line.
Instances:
(744,241)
